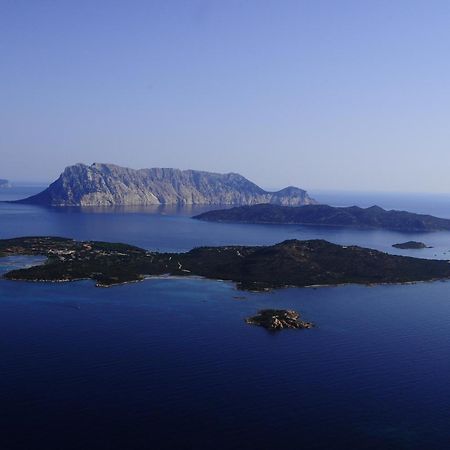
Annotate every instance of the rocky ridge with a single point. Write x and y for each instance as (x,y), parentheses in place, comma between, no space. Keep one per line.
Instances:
(108,184)
(411,245)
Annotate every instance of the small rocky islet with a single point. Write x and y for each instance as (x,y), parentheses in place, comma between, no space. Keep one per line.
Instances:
(411,245)
(331,216)
(279,319)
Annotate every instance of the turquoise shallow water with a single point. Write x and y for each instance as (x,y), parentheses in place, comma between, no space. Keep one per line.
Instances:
(170,363)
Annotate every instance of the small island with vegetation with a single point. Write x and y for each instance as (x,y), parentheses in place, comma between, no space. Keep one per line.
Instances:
(289,263)
(324,215)
(411,245)
(278,319)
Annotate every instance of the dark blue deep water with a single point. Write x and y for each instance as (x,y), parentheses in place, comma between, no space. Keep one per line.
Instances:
(170,363)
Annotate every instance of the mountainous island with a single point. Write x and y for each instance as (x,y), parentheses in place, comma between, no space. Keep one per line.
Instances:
(353,216)
(4,183)
(289,263)
(108,184)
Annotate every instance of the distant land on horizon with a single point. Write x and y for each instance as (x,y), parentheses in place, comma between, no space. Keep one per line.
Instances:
(109,184)
(4,183)
(324,215)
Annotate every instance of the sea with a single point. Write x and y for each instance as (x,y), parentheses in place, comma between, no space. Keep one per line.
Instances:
(171,363)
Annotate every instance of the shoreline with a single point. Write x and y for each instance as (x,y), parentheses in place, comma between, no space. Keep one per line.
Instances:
(234,284)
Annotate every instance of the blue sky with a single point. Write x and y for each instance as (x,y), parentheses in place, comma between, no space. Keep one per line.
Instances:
(320,94)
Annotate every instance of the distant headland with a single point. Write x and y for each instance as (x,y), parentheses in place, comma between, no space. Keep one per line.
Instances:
(108,184)
(4,183)
(353,216)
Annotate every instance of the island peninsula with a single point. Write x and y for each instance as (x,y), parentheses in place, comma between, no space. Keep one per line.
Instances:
(289,263)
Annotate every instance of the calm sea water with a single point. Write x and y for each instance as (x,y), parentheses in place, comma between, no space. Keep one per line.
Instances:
(170,363)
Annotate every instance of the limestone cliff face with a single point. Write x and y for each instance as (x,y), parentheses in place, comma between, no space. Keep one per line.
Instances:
(108,184)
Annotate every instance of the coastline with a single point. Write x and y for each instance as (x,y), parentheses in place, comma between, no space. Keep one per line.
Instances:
(235,284)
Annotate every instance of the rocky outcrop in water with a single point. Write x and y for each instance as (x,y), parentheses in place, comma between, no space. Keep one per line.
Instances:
(108,184)
(411,245)
(278,319)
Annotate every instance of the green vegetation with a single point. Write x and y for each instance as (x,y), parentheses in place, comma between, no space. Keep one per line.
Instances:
(290,263)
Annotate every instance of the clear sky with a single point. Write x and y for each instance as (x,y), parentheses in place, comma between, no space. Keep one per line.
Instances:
(333,94)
